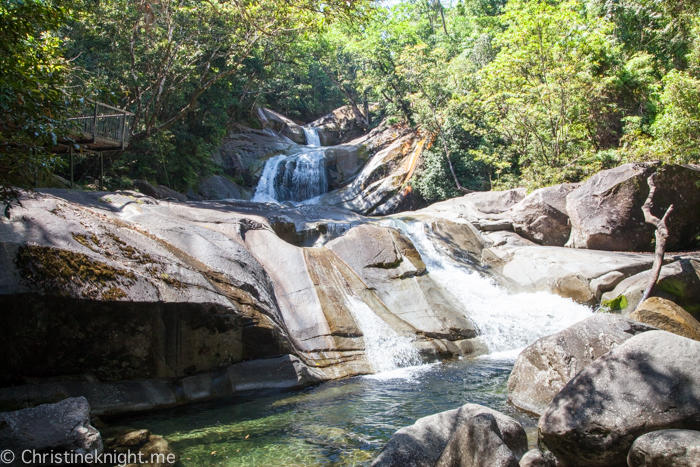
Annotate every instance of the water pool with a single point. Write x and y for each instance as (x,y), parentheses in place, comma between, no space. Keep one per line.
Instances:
(338,423)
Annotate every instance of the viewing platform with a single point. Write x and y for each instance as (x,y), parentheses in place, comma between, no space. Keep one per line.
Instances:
(99,127)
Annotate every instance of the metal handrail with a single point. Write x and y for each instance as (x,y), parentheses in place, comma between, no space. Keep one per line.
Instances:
(105,123)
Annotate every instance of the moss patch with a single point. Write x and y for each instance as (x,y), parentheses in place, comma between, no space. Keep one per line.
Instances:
(58,272)
(113,294)
(616,304)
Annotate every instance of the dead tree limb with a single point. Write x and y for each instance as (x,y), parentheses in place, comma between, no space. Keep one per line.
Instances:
(661,236)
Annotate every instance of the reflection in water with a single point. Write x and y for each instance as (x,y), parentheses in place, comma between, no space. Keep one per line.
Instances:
(338,423)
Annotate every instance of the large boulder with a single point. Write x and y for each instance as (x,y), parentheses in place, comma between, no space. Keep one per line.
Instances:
(545,367)
(537,458)
(666,315)
(479,443)
(679,281)
(50,428)
(542,217)
(606,210)
(666,448)
(422,444)
(650,382)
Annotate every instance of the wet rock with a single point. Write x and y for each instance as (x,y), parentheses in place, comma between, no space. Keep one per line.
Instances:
(478,443)
(546,366)
(666,448)
(666,315)
(648,383)
(537,458)
(422,444)
(386,259)
(60,427)
(158,452)
(542,217)
(606,212)
(133,438)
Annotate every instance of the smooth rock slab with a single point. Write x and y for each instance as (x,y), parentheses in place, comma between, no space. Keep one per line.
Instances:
(545,367)
(666,448)
(650,382)
(422,444)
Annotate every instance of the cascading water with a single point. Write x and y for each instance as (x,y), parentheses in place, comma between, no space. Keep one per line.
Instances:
(293,178)
(507,323)
(312,138)
(384,348)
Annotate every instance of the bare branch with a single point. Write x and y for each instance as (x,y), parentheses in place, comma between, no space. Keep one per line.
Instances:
(661,236)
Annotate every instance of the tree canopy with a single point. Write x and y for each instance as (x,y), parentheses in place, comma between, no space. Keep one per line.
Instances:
(516,92)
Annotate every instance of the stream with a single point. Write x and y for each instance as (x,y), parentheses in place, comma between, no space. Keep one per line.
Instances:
(347,422)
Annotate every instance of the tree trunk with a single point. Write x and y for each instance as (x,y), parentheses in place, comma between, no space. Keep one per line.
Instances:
(661,237)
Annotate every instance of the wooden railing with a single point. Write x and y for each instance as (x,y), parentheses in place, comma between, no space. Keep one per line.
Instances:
(102,126)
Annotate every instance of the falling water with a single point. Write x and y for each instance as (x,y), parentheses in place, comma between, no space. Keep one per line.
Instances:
(384,348)
(507,323)
(312,138)
(293,178)
(265,191)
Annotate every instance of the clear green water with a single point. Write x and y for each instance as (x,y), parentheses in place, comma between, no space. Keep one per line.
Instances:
(339,423)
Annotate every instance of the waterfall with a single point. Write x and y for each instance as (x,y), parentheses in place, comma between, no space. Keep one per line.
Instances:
(506,322)
(265,191)
(312,138)
(293,178)
(384,348)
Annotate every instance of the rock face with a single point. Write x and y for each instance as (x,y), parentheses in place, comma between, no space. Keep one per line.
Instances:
(666,315)
(479,443)
(422,444)
(338,126)
(281,124)
(545,367)
(542,218)
(381,186)
(606,212)
(117,288)
(485,208)
(666,448)
(61,427)
(648,383)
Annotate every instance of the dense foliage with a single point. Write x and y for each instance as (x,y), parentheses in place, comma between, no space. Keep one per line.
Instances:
(517,92)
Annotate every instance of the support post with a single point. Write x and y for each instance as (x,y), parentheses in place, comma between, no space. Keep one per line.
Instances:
(102,172)
(71,167)
(94,125)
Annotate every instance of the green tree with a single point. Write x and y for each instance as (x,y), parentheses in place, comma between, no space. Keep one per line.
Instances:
(33,91)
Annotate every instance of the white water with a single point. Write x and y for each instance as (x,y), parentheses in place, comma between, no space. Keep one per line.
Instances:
(312,138)
(384,348)
(265,191)
(293,178)
(507,323)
